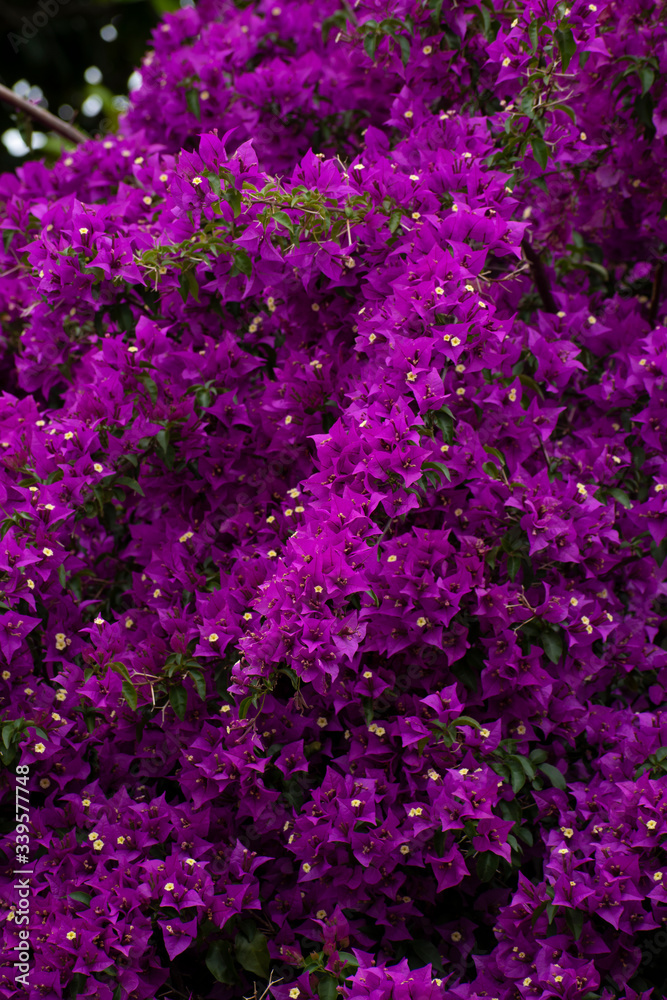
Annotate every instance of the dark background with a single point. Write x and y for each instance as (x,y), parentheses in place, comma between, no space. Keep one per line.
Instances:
(54,57)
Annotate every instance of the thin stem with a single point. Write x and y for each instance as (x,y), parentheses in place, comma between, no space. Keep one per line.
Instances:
(516,273)
(539,276)
(42,116)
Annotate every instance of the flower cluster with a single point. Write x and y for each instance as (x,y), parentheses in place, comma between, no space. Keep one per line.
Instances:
(333,506)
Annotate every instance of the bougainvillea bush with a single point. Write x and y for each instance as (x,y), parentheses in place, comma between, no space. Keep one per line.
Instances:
(333,490)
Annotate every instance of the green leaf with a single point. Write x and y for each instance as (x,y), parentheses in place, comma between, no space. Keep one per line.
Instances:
(292,674)
(370,44)
(446,319)
(621,496)
(513,566)
(540,150)
(337,20)
(284,219)
(405,49)
(351,963)
(427,953)
(566,46)
(512,841)
(438,467)
(552,644)
(436,12)
(6,526)
(444,421)
(81,897)
(466,720)
(526,765)
(242,263)
(130,694)
(492,470)
(530,383)
(570,112)
(178,699)
(533,34)
(647,76)
(523,833)
(593,265)
(192,101)
(245,705)
(235,199)
(395,221)
(189,286)
(220,963)
(518,777)
(490,450)
(253,955)
(487,865)
(131,484)
(554,775)
(78,983)
(62,576)
(10,730)
(199,682)
(327,988)
(119,668)
(575,921)
(150,387)
(214,181)
(539,909)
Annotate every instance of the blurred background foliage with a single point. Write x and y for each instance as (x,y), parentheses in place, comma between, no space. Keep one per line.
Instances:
(77,59)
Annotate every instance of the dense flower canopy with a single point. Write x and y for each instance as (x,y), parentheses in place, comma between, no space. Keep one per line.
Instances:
(333,489)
